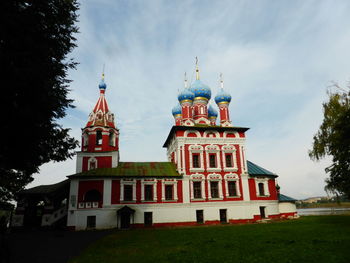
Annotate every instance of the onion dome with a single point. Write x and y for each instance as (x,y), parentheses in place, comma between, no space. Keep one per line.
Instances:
(102,85)
(212,112)
(177,110)
(200,90)
(222,97)
(185,95)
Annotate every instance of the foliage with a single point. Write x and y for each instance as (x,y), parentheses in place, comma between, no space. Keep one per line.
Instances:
(308,239)
(333,139)
(35,38)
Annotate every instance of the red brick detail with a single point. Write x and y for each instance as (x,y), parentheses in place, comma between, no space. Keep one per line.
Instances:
(115,198)
(159,191)
(138,191)
(102,162)
(85,186)
(179,192)
(253,191)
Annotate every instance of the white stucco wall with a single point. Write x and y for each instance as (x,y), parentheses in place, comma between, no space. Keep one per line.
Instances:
(287,207)
(172,213)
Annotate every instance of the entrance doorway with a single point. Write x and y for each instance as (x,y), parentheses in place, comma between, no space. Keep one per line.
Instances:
(91,222)
(125,221)
(148,219)
(262,211)
(124,215)
(199,216)
(223,215)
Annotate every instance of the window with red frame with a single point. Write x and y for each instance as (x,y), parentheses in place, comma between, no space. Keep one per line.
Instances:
(212,160)
(195,161)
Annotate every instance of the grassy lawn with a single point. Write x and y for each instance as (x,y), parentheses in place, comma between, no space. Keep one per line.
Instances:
(308,239)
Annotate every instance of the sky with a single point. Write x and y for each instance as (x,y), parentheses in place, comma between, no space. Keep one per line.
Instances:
(278,58)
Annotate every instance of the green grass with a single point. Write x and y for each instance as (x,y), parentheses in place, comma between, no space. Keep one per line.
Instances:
(308,239)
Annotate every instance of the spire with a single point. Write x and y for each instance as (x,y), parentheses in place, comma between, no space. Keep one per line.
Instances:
(197,69)
(185,81)
(100,115)
(221,82)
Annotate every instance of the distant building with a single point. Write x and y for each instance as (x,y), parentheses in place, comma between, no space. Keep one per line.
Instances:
(207,179)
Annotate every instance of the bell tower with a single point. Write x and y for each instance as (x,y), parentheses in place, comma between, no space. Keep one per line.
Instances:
(100,137)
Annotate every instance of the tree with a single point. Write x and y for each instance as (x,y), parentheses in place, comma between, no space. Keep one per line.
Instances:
(35,39)
(333,139)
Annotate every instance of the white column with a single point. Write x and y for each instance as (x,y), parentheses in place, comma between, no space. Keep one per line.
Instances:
(115,158)
(186,189)
(175,191)
(121,190)
(107,192)
(220,189)
(155,191)
(183,160)
(209,189)
(73,203)
(203,189)
(244,160)
(245,187)
(178,158)
(142,190)
(134,191)
(163,190)
(79,163)
(241,158)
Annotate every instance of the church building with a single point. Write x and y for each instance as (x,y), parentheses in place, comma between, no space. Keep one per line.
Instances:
(206,180)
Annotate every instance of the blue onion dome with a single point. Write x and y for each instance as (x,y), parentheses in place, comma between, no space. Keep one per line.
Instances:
(200,90)
(212,112)
(177,110)
(186,94)
(102,85)
(222,97)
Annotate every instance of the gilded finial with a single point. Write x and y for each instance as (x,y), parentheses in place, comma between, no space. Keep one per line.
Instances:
(185,80)
(197,69)
(103,72)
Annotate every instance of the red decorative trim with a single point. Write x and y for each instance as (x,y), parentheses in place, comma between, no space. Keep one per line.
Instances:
(115,198)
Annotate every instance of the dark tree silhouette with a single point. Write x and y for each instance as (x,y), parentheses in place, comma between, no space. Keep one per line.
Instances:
(333,139)
(35,38)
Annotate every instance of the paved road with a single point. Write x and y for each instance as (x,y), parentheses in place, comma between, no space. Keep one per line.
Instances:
(50,246)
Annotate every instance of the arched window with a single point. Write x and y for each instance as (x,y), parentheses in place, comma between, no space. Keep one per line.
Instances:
(92,164)
(86,139)
(111,138)
(261,189)
(92,196)
(98,137)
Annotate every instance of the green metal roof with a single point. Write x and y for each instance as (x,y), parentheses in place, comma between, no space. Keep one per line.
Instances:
(284,198)
(255,170)
(140,169)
